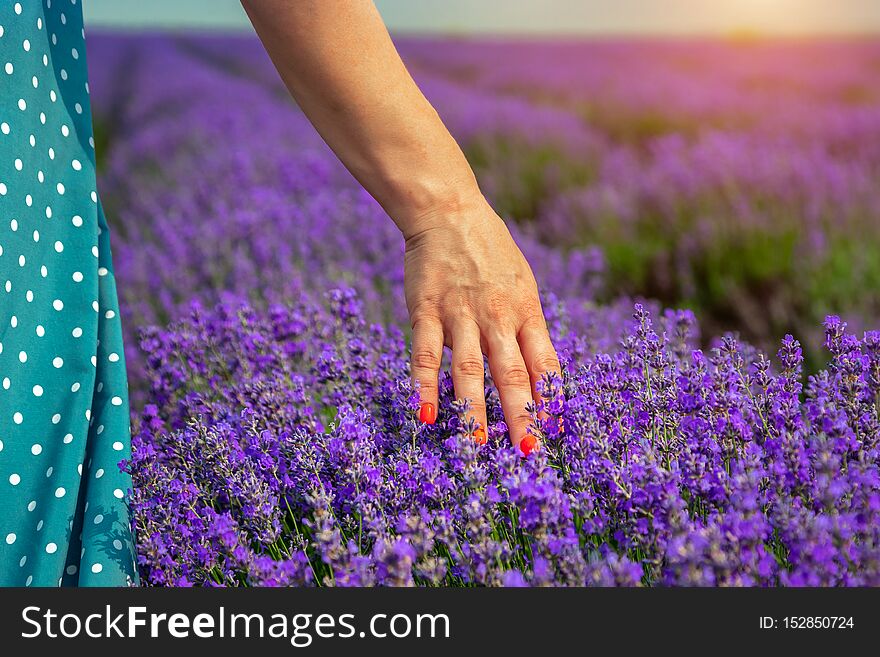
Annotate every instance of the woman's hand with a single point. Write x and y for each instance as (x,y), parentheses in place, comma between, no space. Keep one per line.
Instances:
(469,287)
(467,284)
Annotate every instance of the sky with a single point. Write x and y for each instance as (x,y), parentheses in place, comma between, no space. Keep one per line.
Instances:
(539,17)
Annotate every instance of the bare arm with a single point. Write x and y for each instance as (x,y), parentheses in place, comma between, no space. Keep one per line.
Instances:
(339,63)
(467,284)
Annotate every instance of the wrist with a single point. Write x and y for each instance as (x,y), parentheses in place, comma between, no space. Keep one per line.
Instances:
(425,205)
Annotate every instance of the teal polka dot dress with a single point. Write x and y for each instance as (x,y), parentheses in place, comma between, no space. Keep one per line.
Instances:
(64,418)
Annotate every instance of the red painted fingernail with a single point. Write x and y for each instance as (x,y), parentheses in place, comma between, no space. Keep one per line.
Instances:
(427,414)
(528,445)
(480,435)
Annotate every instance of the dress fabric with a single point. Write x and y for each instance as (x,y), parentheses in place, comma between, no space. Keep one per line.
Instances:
(64,416)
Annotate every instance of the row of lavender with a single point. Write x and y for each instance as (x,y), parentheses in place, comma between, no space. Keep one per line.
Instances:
(275,436)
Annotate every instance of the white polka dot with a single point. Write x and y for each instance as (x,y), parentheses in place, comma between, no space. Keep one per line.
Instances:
(36,450)
(28,581)
(17,418)
(14,479)
(10,539)
(99,519)
(114,357)
(8,68)
(68,439)
(58,362)
(117,544)
(32,505)
(77,332)
(118,494)
(38,391)
(74,387)
(17,8)
(116,401)
(4,128)
(6,383)
(60,492)
(56,418)
(117,446)
(58,304)
(110,314)
(22,105)
(29,295)
(102,271)
(22,356)
(77,221)
(97,568)
(40,331)
(59,186)
(65,131)
(51,548)
(59,246)
(99,473)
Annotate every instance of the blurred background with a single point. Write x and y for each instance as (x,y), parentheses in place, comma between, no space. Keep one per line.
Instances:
(550,17)
(720,156)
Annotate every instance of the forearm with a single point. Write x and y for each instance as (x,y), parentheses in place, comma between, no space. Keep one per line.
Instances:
(337,60)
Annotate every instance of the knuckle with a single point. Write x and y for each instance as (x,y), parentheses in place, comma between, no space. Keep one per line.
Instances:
(425,360)
(519,419)
(545,362)
(534,318)
(497,307)
(512,375)
(469,367)
(423,315)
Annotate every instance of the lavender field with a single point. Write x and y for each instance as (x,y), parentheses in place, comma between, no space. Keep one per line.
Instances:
(704,221)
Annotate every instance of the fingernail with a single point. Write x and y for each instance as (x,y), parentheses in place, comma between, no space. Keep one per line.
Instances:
(528,445)
(427,414)
(480,435)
